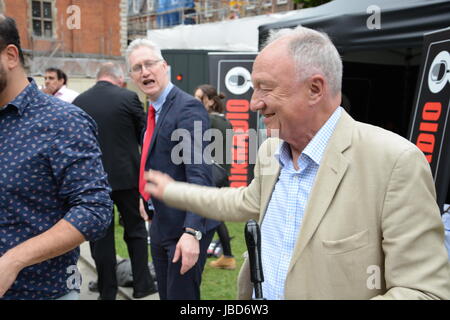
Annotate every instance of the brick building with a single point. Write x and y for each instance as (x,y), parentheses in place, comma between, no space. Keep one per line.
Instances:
(74,35)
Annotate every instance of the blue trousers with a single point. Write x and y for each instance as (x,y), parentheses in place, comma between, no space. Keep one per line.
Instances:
(171,284)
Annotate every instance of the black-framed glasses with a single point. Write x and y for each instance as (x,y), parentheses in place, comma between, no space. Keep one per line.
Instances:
(148,65)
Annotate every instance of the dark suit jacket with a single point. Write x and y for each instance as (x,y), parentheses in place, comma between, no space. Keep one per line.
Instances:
(221,123)
(120,119)
(184,112)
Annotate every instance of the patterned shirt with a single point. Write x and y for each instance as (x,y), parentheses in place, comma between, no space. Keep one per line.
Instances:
(283,219)
(50,169)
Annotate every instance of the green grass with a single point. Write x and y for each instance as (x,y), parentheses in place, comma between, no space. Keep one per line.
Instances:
(217,284)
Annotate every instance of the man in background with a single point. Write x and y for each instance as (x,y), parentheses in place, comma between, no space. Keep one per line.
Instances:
(56,85)
(120,119)
(179,239)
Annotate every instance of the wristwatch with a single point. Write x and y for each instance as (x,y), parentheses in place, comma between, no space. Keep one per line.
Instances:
(197,234)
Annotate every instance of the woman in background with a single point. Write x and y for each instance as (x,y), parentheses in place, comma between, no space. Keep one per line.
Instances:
(212,101)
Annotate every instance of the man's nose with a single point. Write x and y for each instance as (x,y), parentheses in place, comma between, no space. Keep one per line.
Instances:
(256,103)
(146,71)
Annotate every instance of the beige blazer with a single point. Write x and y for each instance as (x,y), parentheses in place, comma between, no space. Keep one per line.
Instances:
(371,226)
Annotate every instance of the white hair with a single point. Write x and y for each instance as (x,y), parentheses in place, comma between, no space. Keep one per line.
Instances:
(313,53)
(142,42)
(110,69)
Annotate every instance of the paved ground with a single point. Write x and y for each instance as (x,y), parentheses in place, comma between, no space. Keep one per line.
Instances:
(87,269)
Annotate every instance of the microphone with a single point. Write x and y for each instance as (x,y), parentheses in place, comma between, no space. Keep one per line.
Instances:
(253,241)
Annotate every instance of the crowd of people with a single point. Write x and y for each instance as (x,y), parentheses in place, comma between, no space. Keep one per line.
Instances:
(347,210)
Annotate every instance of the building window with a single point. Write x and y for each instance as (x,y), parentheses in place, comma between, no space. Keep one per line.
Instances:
(41,12)
(150,5)
(208,12)
(137,6)
(267,3)
(282,1)
(251,5)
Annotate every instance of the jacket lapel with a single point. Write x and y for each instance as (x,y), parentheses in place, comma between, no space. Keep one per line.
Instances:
(331,171)
(164,111)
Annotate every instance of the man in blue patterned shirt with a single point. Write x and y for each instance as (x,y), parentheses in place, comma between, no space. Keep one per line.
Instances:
(53,190)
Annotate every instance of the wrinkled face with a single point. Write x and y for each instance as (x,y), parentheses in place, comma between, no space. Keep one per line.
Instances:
(52,82)
(278,94)
(148,72)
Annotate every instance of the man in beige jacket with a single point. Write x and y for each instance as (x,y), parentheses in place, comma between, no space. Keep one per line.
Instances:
(366,223)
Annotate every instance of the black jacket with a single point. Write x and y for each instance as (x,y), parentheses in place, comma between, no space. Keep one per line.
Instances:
(120,119)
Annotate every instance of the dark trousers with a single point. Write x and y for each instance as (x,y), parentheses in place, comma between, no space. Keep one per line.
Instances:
(224,237)
(135,235)
(171,284)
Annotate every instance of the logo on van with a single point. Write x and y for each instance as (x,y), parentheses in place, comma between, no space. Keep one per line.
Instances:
(238,80)
(439,73)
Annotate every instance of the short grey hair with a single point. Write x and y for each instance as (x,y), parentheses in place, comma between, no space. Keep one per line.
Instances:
(112,70)
(313,52)
(142,42)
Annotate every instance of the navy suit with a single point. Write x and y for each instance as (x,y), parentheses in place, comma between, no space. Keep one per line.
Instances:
(180,111)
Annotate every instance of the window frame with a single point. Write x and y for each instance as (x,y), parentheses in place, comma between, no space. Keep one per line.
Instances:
(42,19)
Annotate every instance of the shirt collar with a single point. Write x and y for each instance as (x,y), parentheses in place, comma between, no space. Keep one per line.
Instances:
(24,98)
(61,91)
(316,147)
(162,98)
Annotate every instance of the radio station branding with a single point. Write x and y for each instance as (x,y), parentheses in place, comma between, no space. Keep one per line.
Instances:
(429,127)
(231,74)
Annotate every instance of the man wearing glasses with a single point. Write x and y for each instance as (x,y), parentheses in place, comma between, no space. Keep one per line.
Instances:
(179,238)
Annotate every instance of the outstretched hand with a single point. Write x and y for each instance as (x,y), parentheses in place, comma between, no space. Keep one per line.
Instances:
(156,183)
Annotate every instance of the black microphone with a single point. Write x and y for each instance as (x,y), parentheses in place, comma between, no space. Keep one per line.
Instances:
(253,241)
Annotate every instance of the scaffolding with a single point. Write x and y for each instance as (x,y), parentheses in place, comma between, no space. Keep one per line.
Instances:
(146,15)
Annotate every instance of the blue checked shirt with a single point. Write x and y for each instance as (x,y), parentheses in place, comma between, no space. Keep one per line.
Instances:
(50,169)
(283,219)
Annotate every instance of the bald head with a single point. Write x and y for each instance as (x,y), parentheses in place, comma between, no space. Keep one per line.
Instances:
(111,72)
(313,52)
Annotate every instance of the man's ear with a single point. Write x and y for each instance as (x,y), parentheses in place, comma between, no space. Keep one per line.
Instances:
(60,82)
(316,87)
(12,57)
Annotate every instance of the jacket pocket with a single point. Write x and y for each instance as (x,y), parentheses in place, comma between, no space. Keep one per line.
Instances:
(351,243)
